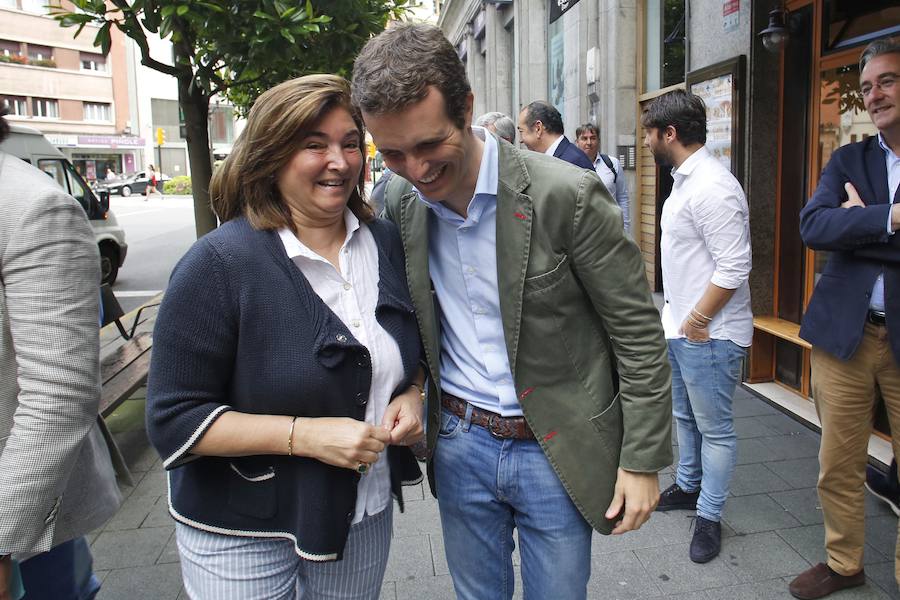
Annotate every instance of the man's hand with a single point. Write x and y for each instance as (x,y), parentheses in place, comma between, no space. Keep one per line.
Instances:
(694,334)
(5,577)
(853,198)
(403,418)
(639,492)
(895,217)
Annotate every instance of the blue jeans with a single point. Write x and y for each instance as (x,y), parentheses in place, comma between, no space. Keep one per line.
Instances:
(65,572)
(486,487)
(704,376)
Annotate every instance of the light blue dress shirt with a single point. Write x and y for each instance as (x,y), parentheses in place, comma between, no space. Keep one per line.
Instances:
(892,162)
(462,259)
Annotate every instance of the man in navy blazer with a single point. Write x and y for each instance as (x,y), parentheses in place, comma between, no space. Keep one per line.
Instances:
(853,318)
(541,130)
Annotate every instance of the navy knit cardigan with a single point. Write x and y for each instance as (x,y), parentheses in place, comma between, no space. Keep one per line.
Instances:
(241,328)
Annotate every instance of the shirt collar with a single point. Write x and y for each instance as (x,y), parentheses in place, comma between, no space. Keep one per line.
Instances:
(294,247)
(887,149)
(488,174)
(690,163)
(549,151)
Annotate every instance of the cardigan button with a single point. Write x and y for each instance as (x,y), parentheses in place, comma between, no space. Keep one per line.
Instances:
(361,399)
(341,338)
(350,517)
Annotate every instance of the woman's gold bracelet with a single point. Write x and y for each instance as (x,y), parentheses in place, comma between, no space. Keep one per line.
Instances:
(291,437)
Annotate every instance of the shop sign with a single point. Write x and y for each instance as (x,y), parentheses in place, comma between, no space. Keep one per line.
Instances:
(558,7)
(111,141)
(731,15)
(62,141)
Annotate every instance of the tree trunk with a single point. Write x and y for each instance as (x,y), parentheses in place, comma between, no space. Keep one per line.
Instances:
(195,107)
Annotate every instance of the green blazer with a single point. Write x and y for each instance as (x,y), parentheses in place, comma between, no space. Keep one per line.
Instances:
(585,342)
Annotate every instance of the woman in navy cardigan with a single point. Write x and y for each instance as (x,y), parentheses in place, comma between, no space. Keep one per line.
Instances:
(285,385)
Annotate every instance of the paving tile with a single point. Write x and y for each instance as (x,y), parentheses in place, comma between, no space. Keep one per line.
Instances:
(132,513)
(388,591)
(881,534)
(881,575)
(131,548)
(783,424)
(751,514)
(410,558)
(417,518)
(797,445)
(748,405)
(756,478)
(670,568)
(802,504)
(170,552)
(752,450)
(156,582)
(761,556)
(809,542)
(438,555)
(432,588)
(686,596)
(159,515)
(800,472)
(750,427)
(773,589)
(414,493)
(154,483)
(620,575)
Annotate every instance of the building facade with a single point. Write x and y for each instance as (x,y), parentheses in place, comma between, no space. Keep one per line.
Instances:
(774,120)
(65,88)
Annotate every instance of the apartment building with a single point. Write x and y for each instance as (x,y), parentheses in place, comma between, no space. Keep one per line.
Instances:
(64,87)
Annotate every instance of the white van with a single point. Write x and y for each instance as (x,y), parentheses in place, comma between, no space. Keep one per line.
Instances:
(31,146)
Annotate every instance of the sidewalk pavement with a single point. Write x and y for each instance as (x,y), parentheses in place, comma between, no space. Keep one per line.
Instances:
(772,529)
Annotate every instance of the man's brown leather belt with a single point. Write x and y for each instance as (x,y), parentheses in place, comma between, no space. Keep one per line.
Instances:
(500,427)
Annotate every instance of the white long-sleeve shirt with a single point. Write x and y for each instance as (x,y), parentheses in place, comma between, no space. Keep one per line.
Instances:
(352,293)
(706,239)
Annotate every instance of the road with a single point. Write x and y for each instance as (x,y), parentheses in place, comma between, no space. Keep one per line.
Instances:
(158,232)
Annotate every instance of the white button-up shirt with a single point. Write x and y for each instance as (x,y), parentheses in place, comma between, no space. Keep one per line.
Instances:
(352,293)
(706,239)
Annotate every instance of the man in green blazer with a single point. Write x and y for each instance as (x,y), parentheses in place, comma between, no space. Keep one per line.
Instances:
(549,405)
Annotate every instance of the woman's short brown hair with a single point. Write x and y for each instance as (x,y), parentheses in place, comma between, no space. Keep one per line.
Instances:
(245,184)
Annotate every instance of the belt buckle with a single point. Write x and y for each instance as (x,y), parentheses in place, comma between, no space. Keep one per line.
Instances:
(496,431)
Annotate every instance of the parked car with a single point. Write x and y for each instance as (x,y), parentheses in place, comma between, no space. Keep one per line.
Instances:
(135,183)
(31,146)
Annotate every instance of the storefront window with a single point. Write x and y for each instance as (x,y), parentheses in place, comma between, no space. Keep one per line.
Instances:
(853,23)
(98,166)
(665,43)
(842,120)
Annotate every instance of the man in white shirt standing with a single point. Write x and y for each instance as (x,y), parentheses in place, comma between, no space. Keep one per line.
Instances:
(587,137)
(706,261)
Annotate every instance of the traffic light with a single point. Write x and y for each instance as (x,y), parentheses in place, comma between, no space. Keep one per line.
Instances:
(160,136)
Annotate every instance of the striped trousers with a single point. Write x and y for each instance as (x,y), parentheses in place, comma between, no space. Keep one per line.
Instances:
(223,567)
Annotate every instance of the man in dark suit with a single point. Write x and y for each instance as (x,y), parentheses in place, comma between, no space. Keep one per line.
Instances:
(541,130)
(853,318)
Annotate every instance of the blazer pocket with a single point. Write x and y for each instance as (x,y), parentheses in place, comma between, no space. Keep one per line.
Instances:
(547,280)
(252,493)
(608,424)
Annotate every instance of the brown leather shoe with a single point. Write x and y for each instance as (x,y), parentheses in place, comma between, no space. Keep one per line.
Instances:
(820,580)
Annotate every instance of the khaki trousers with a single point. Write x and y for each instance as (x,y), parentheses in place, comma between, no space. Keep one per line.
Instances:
(845,393)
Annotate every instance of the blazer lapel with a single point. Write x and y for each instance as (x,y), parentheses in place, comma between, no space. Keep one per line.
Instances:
(514,220)
(414,233)
(876,171)
(561,147)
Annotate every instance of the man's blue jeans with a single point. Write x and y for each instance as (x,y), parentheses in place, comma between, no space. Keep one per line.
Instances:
(65,572)
(704,377)
(486,487)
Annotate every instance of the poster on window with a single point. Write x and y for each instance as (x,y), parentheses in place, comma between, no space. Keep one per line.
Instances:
(557,67)
(716,93)
(721,86)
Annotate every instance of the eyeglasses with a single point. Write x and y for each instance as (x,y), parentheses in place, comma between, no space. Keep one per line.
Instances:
(884,84)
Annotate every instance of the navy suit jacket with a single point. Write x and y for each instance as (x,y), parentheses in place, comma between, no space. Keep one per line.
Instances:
(569,152)
(860,247)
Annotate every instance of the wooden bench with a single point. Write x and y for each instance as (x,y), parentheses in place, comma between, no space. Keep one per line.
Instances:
(124,370)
